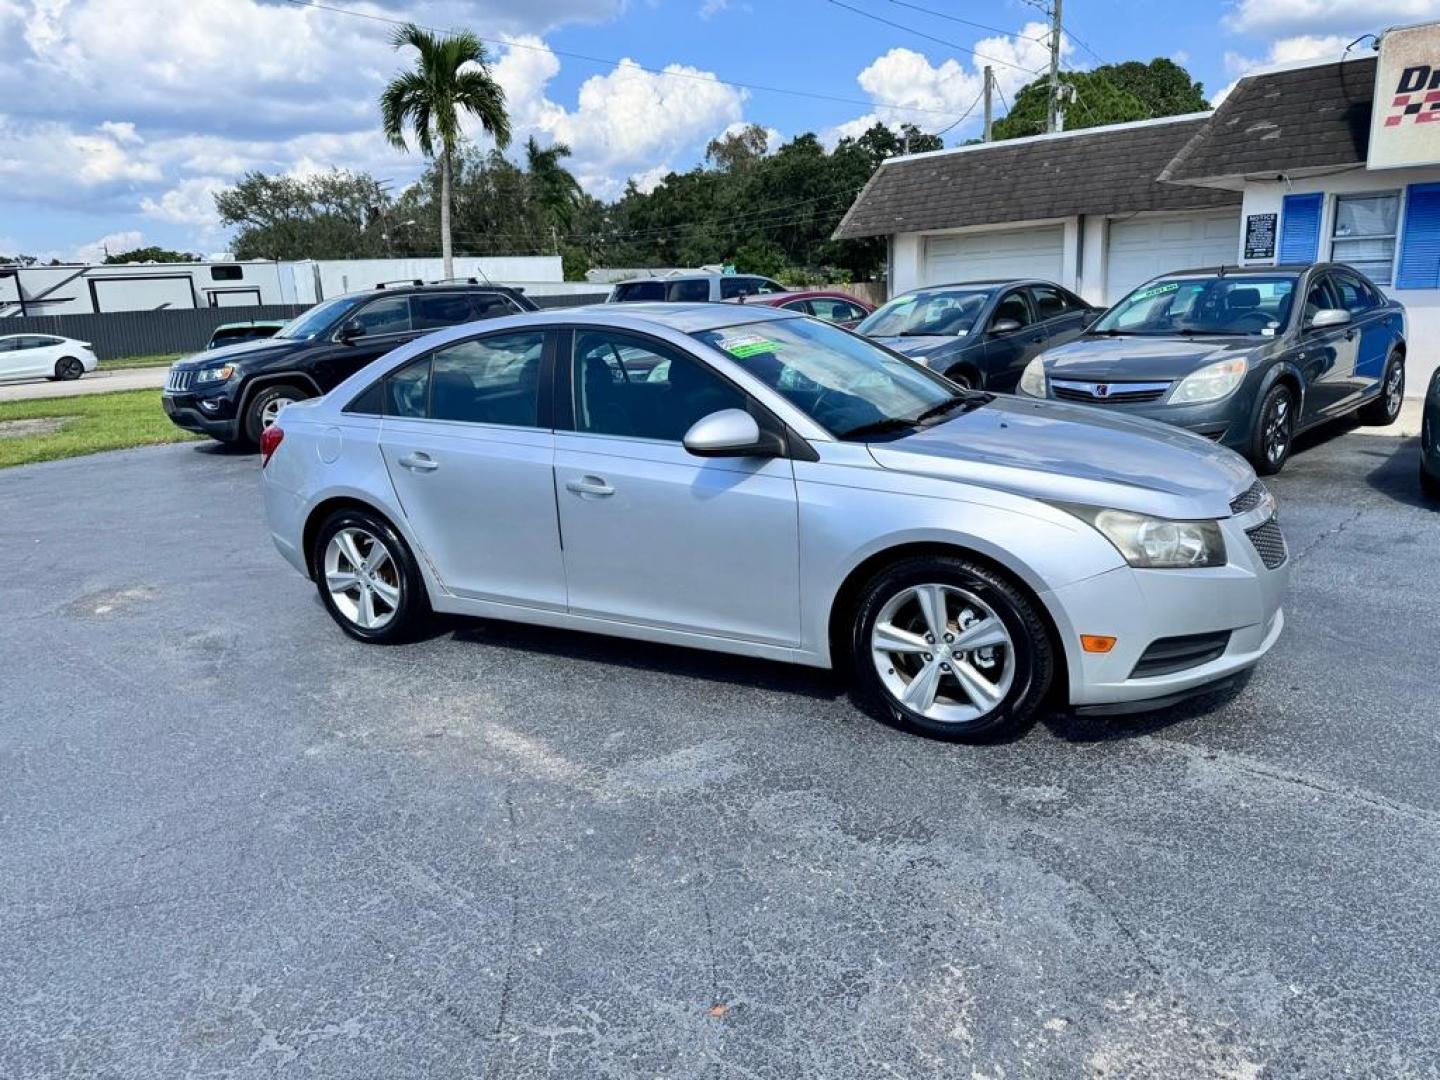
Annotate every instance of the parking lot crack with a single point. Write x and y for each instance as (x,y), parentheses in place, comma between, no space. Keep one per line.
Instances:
(1329,534)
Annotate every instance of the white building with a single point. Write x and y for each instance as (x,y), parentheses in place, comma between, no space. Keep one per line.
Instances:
(1281,171)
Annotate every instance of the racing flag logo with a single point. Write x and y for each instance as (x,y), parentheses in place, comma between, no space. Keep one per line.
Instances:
(1417,95)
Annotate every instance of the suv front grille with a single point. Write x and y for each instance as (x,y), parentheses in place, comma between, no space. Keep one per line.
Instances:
(1270,543)
(1171,654)
(179,380)
(1248,499)
(1098,393)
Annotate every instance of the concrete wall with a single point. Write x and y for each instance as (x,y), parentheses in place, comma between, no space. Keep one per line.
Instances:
(1422,306)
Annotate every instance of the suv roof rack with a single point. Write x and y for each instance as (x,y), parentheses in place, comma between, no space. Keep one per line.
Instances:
(399,281)
(463,280)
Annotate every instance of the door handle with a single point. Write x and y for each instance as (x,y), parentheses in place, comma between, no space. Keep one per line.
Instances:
(590,485)
(420,462)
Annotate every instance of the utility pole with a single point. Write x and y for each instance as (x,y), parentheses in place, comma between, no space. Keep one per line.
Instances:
(1053,121)
(989,95)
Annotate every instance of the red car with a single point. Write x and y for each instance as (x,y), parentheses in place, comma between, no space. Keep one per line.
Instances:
(834,307)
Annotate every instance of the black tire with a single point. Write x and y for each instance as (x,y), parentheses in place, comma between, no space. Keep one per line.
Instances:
(1274,434)
(963,379)
(68,369)
(1428,483)
(1030,646)
(409,614)
(253,423)
(1385,409)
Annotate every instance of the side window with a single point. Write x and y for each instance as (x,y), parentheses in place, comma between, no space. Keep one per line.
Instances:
(491,306)
(835,311)
(805,307)
(407,391)
(635,387)
(731,287)
(688,291)
(227,273)
(389,316)
(766,287)
(641,290)
(1049,303)
(429,311)
(1355,296)
(9,344)
(1319,298)
(1012,306)
(489,380)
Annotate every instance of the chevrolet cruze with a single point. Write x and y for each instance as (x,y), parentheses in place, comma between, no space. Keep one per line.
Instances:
(754,481)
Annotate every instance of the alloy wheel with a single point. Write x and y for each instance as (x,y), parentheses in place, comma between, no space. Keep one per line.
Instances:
(71,368)
(362,578)
(1278,423)
(1394,390)
(943,652)
(270,411)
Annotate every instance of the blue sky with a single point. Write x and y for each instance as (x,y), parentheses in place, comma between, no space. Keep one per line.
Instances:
(120,118)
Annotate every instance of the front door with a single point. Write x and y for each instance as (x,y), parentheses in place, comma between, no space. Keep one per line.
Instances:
(1326,356)
(657,536)
(471,458)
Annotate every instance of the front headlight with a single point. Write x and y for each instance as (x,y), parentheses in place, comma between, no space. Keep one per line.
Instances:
(1156,543)
(1210,383)
(214,374)
(1032,382)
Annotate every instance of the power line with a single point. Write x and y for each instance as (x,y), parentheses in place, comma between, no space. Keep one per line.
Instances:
(608,62)
(932,37)
(978,98)
(966,22)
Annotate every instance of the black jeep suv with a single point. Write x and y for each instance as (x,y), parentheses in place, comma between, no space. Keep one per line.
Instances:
(234,393)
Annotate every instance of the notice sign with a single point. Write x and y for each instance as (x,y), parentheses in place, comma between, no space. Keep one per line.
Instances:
(1405,118)
(1260,236)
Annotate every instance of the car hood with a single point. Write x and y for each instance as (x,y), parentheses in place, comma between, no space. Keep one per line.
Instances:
(926,347)
(262,349)
(1071,453)
(1118,359)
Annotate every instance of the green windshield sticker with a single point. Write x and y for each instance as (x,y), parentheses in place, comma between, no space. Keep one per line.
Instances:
(749,345)
(1154,291)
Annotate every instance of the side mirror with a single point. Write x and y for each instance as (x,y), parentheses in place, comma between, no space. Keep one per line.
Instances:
(352,329)
(1328,318)
(731,433)
(1004,326)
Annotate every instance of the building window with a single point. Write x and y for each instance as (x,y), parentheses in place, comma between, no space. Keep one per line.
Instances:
(1364,235)
(227,273)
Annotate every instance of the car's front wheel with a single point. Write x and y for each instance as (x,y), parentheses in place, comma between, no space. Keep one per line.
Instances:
(952,649)
(368,580)
(1274,431)
(264,409)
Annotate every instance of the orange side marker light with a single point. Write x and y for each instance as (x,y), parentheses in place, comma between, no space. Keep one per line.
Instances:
(1097,643)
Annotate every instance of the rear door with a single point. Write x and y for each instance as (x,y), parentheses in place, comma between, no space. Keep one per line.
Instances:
(655,536)
(1007,353)
(1060,313)
(1376,325)
(467,443)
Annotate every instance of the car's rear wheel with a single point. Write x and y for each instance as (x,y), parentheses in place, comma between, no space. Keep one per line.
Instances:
(264,409)
(1385,409)
(68,369)
(368,580)
(951,649)
(1274,431)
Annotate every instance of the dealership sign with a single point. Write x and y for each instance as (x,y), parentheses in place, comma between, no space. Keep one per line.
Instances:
(1405,119)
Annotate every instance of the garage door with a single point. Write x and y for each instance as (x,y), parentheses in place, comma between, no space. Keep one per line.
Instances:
(978,256)
(1146,247)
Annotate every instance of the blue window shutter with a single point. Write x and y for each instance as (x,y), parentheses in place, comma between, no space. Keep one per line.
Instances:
(1300,228)
(1420,244)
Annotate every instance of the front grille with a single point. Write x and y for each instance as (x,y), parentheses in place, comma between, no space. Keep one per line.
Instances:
(1097,393)
(1270,543)
(1172,654)
(1248,499)
(179,380)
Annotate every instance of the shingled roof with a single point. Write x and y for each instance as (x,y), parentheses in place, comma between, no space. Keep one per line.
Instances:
(1310,119)
(1098,171)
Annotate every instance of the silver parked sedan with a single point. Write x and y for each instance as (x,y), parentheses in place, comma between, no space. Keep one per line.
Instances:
(753,481)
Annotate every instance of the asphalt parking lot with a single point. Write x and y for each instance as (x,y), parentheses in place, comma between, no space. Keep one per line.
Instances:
(234,842)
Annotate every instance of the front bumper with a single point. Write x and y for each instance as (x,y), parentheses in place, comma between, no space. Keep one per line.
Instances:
(1140,607)
(184,411)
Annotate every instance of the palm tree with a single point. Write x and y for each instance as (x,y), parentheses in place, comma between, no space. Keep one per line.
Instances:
(453,77)
(556,191)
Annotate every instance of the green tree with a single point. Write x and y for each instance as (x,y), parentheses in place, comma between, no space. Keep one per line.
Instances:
(556,193)
(334,215)
(452,78)
(151,255)
(738,150)
(1110,94)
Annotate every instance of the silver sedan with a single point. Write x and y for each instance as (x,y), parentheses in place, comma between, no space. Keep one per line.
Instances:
(757,482)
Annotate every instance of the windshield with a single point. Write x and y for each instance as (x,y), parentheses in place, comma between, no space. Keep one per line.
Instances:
(1203,305)
(946,312)
(850,387)
(310,324)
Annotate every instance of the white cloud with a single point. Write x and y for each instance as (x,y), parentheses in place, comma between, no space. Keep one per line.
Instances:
(1290,18)
(1285,51)
(111,244)
(650,179)
(191,202)
(945,91)
(710,8)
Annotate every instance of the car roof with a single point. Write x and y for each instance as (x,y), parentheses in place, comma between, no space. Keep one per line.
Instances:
(698,275)
(404,289)
(1280,270)
(684,318)
(987,283)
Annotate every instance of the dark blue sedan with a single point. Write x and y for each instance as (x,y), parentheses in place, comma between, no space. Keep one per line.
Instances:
(980,334)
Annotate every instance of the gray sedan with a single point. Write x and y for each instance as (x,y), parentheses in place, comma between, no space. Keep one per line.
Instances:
(979,334)
(1247,357)
(785,490)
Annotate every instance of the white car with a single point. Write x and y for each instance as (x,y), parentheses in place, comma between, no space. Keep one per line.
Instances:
(31,356)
